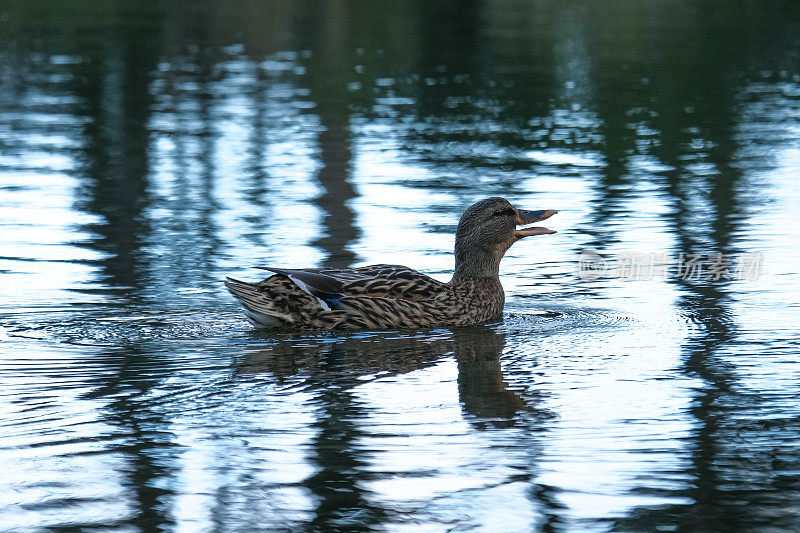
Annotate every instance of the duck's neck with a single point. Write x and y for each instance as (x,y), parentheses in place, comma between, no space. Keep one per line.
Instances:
(475,262)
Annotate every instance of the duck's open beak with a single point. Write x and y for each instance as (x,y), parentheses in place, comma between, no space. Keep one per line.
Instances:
(525,217)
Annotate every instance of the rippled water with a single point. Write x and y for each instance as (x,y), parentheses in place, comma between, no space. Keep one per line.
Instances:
(148,150)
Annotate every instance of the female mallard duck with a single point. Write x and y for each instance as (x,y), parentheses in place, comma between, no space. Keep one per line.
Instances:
(394,296)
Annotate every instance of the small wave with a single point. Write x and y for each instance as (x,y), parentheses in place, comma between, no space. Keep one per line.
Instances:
(560,318)
(98,328)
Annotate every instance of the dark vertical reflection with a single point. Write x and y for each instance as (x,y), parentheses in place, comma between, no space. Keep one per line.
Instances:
(146,444)
(329,70)
(341,500)
(258,175)
(339,219)
(619,94)
(705,304)
(207,232)
(114,83)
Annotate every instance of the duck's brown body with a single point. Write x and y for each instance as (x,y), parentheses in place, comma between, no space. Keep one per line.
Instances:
(394,296)
(372,297)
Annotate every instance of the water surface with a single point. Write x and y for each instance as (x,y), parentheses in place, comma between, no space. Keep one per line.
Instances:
(148,150)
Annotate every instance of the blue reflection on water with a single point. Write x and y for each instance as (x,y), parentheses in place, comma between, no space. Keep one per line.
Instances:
(148,151)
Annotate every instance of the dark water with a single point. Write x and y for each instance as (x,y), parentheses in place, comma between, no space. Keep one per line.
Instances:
(147,149)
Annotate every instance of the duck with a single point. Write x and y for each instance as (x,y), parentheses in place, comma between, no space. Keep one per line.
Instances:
(383,296)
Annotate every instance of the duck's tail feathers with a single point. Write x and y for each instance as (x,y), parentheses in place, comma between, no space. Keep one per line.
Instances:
(257,305)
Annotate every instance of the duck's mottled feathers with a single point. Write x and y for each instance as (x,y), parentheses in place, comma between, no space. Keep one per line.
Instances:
(371,297)
(389,281)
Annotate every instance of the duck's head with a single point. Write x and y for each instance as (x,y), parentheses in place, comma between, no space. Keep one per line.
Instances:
(487,229)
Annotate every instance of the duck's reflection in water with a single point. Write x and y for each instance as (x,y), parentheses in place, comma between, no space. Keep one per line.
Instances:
(332,368)
(482,389)
(345,362)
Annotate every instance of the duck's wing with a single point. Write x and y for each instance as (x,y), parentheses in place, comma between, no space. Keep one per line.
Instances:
(310,279)
(376,297)
(374,281)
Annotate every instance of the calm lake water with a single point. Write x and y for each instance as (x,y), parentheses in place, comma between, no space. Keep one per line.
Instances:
(148,149)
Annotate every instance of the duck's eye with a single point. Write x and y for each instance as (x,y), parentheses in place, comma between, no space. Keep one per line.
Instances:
(503,212)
